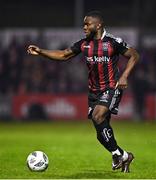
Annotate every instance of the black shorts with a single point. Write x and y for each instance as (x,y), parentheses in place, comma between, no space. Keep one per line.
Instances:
(109,98)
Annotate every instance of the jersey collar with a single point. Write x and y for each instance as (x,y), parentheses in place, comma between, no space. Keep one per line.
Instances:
(103,34)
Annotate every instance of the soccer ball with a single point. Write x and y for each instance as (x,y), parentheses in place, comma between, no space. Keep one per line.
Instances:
(37,161)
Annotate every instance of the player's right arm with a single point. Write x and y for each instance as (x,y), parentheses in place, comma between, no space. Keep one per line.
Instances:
(51,54)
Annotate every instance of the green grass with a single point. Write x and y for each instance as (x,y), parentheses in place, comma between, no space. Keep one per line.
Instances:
(73,151)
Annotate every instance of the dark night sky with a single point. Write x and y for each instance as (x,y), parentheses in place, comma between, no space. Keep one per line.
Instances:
(59,13)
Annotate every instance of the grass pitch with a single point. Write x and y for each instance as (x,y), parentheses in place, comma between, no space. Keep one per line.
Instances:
(73,151)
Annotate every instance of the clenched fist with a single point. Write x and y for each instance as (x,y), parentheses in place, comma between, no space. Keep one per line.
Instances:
(34,50)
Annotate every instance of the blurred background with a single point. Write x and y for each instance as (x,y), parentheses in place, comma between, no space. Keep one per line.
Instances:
(34,88)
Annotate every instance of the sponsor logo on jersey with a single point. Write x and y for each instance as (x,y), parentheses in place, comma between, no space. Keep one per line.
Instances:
(98,59)
(86,46)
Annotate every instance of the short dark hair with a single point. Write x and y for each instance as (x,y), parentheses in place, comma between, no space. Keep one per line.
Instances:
(96,14)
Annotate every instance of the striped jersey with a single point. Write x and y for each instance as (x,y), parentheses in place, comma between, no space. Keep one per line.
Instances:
(102,58)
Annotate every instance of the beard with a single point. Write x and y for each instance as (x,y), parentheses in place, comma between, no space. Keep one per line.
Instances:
(91,35)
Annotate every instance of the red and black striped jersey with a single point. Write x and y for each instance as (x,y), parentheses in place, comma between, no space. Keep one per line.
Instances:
(102,58)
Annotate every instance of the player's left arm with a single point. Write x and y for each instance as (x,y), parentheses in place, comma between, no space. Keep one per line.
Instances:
(133,57)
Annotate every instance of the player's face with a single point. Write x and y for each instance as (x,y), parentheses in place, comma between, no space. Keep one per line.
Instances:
(90,26)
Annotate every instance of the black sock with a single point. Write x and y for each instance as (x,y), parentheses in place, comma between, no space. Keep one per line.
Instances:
(105,134)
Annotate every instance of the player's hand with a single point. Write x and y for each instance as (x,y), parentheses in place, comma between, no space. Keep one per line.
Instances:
(122,83)
(34,50)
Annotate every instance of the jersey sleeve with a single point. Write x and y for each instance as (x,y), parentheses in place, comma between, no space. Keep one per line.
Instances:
(120,45)
(76,47)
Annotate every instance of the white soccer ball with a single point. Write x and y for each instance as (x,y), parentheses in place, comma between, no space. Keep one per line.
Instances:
(37,161)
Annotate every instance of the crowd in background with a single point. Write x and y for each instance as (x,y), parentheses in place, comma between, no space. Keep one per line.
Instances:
(22,73)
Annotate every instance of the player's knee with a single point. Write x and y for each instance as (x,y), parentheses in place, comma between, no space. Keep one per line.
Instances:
(98,118)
